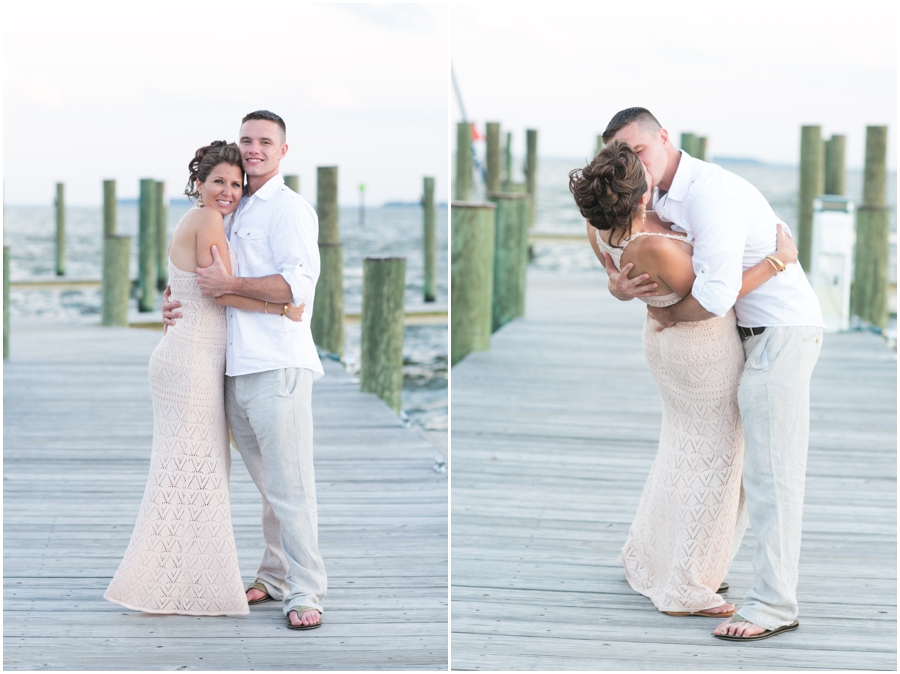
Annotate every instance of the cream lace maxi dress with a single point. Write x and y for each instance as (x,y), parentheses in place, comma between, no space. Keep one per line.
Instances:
(182,557)
(679,545)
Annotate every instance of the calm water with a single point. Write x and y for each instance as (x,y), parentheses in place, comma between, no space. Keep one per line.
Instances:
(387,231)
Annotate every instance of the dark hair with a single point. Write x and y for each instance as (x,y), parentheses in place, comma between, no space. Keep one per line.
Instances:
(207,158)
(625,117)
(608,190)
(269,116)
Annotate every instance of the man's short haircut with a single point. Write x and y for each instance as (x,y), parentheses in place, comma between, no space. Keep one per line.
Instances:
(268,116)
(642,116)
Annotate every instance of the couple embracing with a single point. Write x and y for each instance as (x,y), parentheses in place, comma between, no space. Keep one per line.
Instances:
(732,335)
(239,355)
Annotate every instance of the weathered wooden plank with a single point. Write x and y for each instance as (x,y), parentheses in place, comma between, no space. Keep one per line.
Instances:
(554,431)
(77,437)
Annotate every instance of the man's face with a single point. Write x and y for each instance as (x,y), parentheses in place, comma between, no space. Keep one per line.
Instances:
(262,147)
(649,147)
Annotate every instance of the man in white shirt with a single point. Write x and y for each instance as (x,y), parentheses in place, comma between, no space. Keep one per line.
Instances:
(733,227)
(270,366)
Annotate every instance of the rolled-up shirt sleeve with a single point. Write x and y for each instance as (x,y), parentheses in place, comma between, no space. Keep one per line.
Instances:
(294,243)
(719,229)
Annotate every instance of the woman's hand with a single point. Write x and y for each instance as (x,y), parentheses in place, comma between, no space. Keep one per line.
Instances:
(294,313)
(785,248)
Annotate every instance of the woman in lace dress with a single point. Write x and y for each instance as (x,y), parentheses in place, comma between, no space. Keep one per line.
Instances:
(679,545)
(182,556)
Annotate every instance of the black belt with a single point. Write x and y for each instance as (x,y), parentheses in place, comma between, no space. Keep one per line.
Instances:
(747,333)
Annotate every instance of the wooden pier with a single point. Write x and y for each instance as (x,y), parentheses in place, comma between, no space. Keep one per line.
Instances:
(77,438)
(553,433)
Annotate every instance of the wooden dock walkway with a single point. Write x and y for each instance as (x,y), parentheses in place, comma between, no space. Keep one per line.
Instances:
(77,438)
(553,433)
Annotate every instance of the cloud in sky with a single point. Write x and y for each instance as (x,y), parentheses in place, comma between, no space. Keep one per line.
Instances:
(746,74)
(103,90)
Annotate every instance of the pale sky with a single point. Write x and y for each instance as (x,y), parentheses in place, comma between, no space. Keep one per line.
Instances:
(123,90)
(747,75)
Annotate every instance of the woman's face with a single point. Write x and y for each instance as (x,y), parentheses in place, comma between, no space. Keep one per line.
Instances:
(222,189)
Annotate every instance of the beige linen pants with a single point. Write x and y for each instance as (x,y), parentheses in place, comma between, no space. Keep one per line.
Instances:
(774,403)
(270,414)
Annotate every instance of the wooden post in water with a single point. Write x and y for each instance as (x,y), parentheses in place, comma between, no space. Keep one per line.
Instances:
(868,297)
(293,182)
(531,171)
(328,318)
(510,256)
(688,143)
(812,183)
(60,229)
(109,208)
(700,147)
(507,159)
(162,238)
(471,277)
(430,281)
(147,246)
(599,145)
(463,161)
(492,160)
(381,329)
(5,302)
(835,175)
(116,285)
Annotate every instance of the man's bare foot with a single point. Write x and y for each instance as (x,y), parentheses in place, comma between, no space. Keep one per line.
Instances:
(309,617)
(255,595)
(738,627)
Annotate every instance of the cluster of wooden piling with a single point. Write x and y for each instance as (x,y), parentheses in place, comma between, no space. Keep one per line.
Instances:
(384,279)
(822,172)
(489,241)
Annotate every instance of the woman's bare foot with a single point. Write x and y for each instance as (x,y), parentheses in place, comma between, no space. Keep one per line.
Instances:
(738,627)
(724,608)
(310,617)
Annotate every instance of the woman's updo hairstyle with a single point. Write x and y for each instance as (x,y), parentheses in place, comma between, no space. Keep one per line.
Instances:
(608,191)
(206,159)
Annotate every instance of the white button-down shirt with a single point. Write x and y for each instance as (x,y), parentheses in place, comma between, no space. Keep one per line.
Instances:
(733,227)
(275,231)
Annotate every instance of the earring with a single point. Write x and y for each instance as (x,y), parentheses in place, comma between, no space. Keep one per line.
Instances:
(199,200)
(643,214)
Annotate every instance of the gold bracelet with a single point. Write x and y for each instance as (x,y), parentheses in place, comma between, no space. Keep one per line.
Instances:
(778,263)
(284,313)
(774,266)
(266,308)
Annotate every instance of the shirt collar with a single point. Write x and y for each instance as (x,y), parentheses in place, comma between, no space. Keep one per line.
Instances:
(681,181)
(268,190)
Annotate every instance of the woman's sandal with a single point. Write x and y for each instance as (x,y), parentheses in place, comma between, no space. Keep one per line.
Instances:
(703,614)
(300,611)
(256,585)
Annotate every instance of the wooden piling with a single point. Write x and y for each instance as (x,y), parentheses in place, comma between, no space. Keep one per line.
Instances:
(700,147)
(162,238)
(109,208)
(147,246)
(381,328)
(430,281)
(599,145)
(531,171)
(868,296)
(510,257)
(471,277)
(463,161)
(5,302)
(492,159)
(293,182)
(835,174)
(328,318)
(60,229)
(688,143)
(812,183)
(116,284)
(507,159)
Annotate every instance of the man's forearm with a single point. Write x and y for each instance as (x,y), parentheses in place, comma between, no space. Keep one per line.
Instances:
(266,288)
(689,310)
